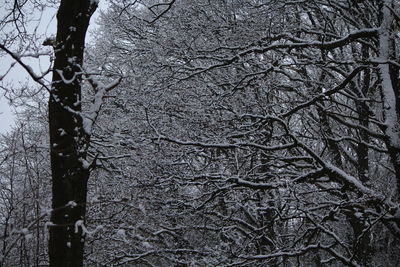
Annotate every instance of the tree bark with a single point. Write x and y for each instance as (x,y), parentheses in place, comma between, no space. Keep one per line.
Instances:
(67,137)
(390,87)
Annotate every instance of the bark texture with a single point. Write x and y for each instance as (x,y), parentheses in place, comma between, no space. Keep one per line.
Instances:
(67,137)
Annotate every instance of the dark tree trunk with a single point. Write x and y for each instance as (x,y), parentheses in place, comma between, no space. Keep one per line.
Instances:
(67,137)
(394,151)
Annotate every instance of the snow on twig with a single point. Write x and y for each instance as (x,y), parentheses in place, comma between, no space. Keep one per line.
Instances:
(101,90)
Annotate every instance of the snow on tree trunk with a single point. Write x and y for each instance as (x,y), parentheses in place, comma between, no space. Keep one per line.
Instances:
(67,136)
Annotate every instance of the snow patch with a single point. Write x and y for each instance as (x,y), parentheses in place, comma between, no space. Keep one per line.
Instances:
(62,132)
(71,204)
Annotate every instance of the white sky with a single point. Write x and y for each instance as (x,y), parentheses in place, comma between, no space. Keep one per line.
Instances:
(47,27)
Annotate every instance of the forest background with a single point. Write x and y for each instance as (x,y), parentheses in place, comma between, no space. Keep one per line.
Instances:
(202,133)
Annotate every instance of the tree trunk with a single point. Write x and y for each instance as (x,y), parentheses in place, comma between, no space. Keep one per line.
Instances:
(67,138)
(390,87)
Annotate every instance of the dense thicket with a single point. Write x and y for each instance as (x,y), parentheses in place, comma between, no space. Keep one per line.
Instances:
(249,133)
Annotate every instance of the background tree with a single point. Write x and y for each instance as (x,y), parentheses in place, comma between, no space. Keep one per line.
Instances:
(25,190)
(245,133)
(274,118)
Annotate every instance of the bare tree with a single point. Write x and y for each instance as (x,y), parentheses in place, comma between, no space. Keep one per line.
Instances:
(275,115)
(245,133)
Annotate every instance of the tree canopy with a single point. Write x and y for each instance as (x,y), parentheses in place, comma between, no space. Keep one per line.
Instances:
(205,133)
